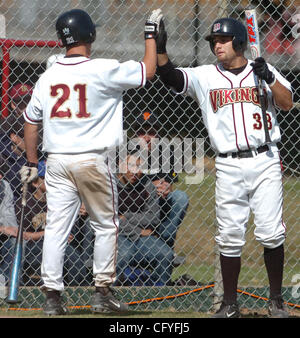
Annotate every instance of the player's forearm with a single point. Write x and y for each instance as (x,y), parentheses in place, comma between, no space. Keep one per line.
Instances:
(282,96)
(33,236)
(150,58)
(31,140)
(8,230)
(169,75)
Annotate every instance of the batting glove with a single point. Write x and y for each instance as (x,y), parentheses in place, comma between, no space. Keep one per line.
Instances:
(161,39)
(152,24)
(29,172)
(260,69)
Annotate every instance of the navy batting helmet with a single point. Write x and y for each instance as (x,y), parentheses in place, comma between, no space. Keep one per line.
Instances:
(229,27)
(75,26)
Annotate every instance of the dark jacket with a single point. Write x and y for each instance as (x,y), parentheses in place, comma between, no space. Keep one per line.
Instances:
(139,204)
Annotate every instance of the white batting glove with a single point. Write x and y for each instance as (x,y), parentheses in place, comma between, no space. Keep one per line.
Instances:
(152,24)
(29,173)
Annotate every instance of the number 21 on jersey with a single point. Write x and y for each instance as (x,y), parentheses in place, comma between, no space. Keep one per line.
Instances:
(62,93)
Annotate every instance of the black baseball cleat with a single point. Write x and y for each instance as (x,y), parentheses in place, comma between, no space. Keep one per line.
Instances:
(277,308)
(228,311)
(103,300)
(53,304)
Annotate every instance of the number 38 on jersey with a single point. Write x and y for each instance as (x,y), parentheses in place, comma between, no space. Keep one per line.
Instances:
(62,94)
(259,124)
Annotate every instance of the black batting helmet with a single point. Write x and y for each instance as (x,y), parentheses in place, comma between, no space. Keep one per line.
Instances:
(229,27)
(75,26)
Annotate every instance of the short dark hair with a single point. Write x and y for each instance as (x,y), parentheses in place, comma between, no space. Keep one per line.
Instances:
(146,121)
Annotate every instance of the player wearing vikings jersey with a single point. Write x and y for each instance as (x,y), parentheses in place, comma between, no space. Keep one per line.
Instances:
(248,176)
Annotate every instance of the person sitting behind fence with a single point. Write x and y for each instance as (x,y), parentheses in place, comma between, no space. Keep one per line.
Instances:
(8,224)
(34,222)
(173,202)
(12,147)
(13,124)
(139,215)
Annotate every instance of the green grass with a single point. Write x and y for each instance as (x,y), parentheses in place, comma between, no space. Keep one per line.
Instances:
(87,314)
(195,238)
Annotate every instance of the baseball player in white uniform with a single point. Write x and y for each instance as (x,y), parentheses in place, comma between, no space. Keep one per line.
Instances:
(79,102)
(248,176)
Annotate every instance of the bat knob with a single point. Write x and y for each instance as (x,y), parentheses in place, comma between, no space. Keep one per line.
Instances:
(11,301)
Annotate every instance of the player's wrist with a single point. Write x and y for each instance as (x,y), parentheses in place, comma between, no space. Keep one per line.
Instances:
(150,30)
(31,164)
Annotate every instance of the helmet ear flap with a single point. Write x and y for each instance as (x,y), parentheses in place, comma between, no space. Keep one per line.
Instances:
(236,44)
(239,45)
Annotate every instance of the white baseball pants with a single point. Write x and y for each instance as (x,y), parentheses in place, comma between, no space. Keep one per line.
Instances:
(70,180)
(244,185)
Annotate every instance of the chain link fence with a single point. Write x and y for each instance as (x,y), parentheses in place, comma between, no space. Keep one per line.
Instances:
(28,39)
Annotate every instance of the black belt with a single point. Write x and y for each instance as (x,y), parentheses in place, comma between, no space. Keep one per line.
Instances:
(246,153)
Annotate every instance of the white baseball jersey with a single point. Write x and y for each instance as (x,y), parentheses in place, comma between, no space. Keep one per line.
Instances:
(79,101)
(230,106)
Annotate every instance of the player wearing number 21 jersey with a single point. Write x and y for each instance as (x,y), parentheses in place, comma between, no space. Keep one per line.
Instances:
(78,100)
(82,98)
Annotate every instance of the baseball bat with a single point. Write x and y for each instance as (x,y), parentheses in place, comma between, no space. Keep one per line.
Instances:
(14,282)
(253,36)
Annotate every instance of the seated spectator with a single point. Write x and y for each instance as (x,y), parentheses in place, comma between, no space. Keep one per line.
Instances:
(12,147)
(8,225)
(275,41)
(292,16)
(173,202)
(34,223)
(139,216)
(278,23)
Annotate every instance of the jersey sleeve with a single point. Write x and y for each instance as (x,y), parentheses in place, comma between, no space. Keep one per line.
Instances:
(280,78)
(194,82)
(33,112)
(126,75)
